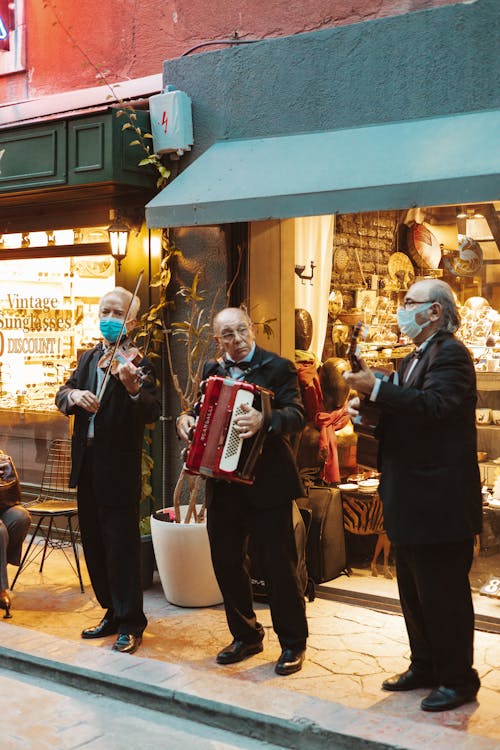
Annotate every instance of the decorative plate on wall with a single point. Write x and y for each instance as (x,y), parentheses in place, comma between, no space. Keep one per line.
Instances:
(423,247)
(467,261)
(401,270)
(340,260)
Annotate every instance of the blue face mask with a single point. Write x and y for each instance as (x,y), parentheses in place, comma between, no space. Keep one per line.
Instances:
(407,323)
(110,328)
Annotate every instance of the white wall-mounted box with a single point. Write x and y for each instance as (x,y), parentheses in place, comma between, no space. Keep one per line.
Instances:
(171,121)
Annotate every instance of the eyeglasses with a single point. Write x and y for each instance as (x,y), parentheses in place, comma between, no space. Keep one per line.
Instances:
(229,335)
(408,302)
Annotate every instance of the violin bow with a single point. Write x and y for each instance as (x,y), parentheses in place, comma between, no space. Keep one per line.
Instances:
(119,338)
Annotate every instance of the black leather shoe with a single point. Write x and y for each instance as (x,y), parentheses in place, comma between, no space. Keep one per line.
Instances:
(444,699)
(105,627)
(127,643)
(408,680)
(290,661)
(5,604)
(237,651)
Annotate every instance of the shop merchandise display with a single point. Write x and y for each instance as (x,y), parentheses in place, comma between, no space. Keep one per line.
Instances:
(48,317)
(48,312)
(491,503)
(420,250)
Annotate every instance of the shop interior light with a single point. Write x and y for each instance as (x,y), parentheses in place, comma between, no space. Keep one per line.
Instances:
(118,237)
(12,241)
(477,228)
(38,239)
(64,236)
(471,223)
(153,243)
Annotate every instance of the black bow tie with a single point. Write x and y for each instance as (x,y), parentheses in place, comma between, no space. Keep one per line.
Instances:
(228,364)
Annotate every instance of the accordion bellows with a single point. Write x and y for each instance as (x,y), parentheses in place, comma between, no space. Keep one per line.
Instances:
(216,449)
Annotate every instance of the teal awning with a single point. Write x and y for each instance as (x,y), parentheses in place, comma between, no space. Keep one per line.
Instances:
(426,162)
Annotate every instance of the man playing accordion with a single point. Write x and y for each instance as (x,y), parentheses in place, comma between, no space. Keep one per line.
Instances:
(263,509)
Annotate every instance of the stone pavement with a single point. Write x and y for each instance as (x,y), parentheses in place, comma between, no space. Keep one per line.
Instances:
(334,701)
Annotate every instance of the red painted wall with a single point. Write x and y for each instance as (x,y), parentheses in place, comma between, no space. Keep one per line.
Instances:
(132,38)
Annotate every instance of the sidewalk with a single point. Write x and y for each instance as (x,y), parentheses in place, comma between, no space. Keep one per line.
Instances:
(334,701)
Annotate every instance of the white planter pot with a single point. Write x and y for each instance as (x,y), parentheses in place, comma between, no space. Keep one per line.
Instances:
(182,553)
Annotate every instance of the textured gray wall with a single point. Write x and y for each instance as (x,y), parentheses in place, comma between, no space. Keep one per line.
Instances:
(424,64)
(204,251)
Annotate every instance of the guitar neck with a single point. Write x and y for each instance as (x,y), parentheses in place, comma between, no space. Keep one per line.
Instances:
(352,351)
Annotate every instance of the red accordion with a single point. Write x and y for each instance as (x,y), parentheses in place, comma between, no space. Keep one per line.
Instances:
(216,449)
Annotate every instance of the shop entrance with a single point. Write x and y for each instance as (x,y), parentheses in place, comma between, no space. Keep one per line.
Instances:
(356,268)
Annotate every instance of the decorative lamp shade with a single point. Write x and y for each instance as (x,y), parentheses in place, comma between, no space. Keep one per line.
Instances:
(477,228)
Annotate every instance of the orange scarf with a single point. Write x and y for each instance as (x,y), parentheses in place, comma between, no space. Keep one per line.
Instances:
(327,423)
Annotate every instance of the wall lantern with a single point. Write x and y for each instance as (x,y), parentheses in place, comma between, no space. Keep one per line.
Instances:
(301,272)
(118,237)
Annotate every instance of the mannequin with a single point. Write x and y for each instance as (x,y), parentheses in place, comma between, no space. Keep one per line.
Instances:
(303,329)
(303,338)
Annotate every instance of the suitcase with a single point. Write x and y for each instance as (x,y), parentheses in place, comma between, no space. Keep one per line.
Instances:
(301,524)
(326,551)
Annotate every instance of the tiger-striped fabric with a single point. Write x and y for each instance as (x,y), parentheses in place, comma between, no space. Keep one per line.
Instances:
(362,515)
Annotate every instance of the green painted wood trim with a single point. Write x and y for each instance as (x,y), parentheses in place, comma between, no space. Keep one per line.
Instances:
(75,152)
(33,156)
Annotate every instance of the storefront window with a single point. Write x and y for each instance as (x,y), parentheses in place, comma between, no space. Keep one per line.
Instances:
(373,258)
(48,315)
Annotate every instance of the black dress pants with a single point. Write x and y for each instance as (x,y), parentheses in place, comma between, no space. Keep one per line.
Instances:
(111,545)
(230,521)
(436,600)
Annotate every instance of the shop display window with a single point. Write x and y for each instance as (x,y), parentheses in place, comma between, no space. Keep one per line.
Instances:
(373,259)
(48,315)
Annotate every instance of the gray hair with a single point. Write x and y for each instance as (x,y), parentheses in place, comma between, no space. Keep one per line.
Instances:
(126,297)
(440,291)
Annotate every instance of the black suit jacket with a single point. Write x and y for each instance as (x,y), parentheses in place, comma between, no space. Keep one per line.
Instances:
(430,485)
(277,479)
(118,430)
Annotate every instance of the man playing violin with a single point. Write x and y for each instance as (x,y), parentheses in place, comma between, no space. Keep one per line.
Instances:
(110,416)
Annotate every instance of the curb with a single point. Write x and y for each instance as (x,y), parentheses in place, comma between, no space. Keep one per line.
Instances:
(273,715)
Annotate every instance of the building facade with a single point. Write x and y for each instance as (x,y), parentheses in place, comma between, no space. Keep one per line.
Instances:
(317,132)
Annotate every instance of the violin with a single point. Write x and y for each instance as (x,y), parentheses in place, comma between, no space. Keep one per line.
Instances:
(121,352)
(114,358)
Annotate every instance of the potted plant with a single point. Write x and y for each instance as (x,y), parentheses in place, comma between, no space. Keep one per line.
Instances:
(179,534)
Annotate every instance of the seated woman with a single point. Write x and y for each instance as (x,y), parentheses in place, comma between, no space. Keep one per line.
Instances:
(14,524)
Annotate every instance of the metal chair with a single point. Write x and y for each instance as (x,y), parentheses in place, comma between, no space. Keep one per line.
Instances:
(56,500)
